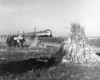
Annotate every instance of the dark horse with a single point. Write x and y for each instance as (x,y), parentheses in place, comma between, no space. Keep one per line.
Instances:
(11,42)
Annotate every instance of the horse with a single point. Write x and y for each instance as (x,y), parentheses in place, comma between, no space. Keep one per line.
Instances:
(15,41)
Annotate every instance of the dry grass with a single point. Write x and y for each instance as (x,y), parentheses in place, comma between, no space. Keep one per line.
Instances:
(94,42)
(59,72)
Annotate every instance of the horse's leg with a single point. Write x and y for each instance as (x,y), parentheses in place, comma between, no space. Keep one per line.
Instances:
(22,44)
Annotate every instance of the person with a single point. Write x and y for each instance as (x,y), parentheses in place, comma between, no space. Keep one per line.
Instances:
(21,40)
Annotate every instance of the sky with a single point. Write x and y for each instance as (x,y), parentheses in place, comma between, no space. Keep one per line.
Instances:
(56,15)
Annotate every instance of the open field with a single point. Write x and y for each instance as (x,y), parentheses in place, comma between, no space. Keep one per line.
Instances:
(41,64)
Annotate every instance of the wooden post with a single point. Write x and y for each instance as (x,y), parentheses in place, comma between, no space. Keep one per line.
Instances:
(18,33)
(23,33)
(35,31)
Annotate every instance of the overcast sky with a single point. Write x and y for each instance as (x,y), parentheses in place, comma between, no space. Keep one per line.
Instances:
(25,15)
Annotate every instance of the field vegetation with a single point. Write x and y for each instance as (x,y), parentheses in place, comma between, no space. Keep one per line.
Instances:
(42,63)
(94,42)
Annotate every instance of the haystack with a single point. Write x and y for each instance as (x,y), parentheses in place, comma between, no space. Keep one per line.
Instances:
(27,42)
(36,43)
(77,49)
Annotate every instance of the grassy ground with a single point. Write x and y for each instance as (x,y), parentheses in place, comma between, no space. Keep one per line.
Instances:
(94,42)
(57,40)
(38,64)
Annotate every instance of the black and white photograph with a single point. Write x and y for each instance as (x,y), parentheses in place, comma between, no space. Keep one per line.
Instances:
(49,39)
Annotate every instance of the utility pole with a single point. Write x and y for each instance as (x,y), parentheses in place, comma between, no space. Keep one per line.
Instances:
(23,33)
(18,33)
(35,31)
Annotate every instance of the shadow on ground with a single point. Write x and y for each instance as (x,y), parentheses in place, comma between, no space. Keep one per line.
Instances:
(98,54)
(26,65)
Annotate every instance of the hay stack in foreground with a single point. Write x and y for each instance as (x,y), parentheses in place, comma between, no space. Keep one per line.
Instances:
(79,53)
(76,47)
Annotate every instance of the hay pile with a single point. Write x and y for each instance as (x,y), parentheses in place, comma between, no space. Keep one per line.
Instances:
(79,53)
(36,43)
(76,47)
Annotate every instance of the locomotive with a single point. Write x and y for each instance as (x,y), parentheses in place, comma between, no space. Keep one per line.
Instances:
(44,33)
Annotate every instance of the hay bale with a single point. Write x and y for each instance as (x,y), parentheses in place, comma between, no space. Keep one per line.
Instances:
(27,42)
(79,54)
(76,48)
(36,43)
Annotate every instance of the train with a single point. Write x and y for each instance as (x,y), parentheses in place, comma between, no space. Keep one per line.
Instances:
(44,33)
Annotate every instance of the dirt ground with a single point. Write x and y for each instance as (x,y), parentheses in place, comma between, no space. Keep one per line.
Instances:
(38,64)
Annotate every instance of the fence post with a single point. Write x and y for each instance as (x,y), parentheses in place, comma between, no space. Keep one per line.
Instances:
(18,33)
